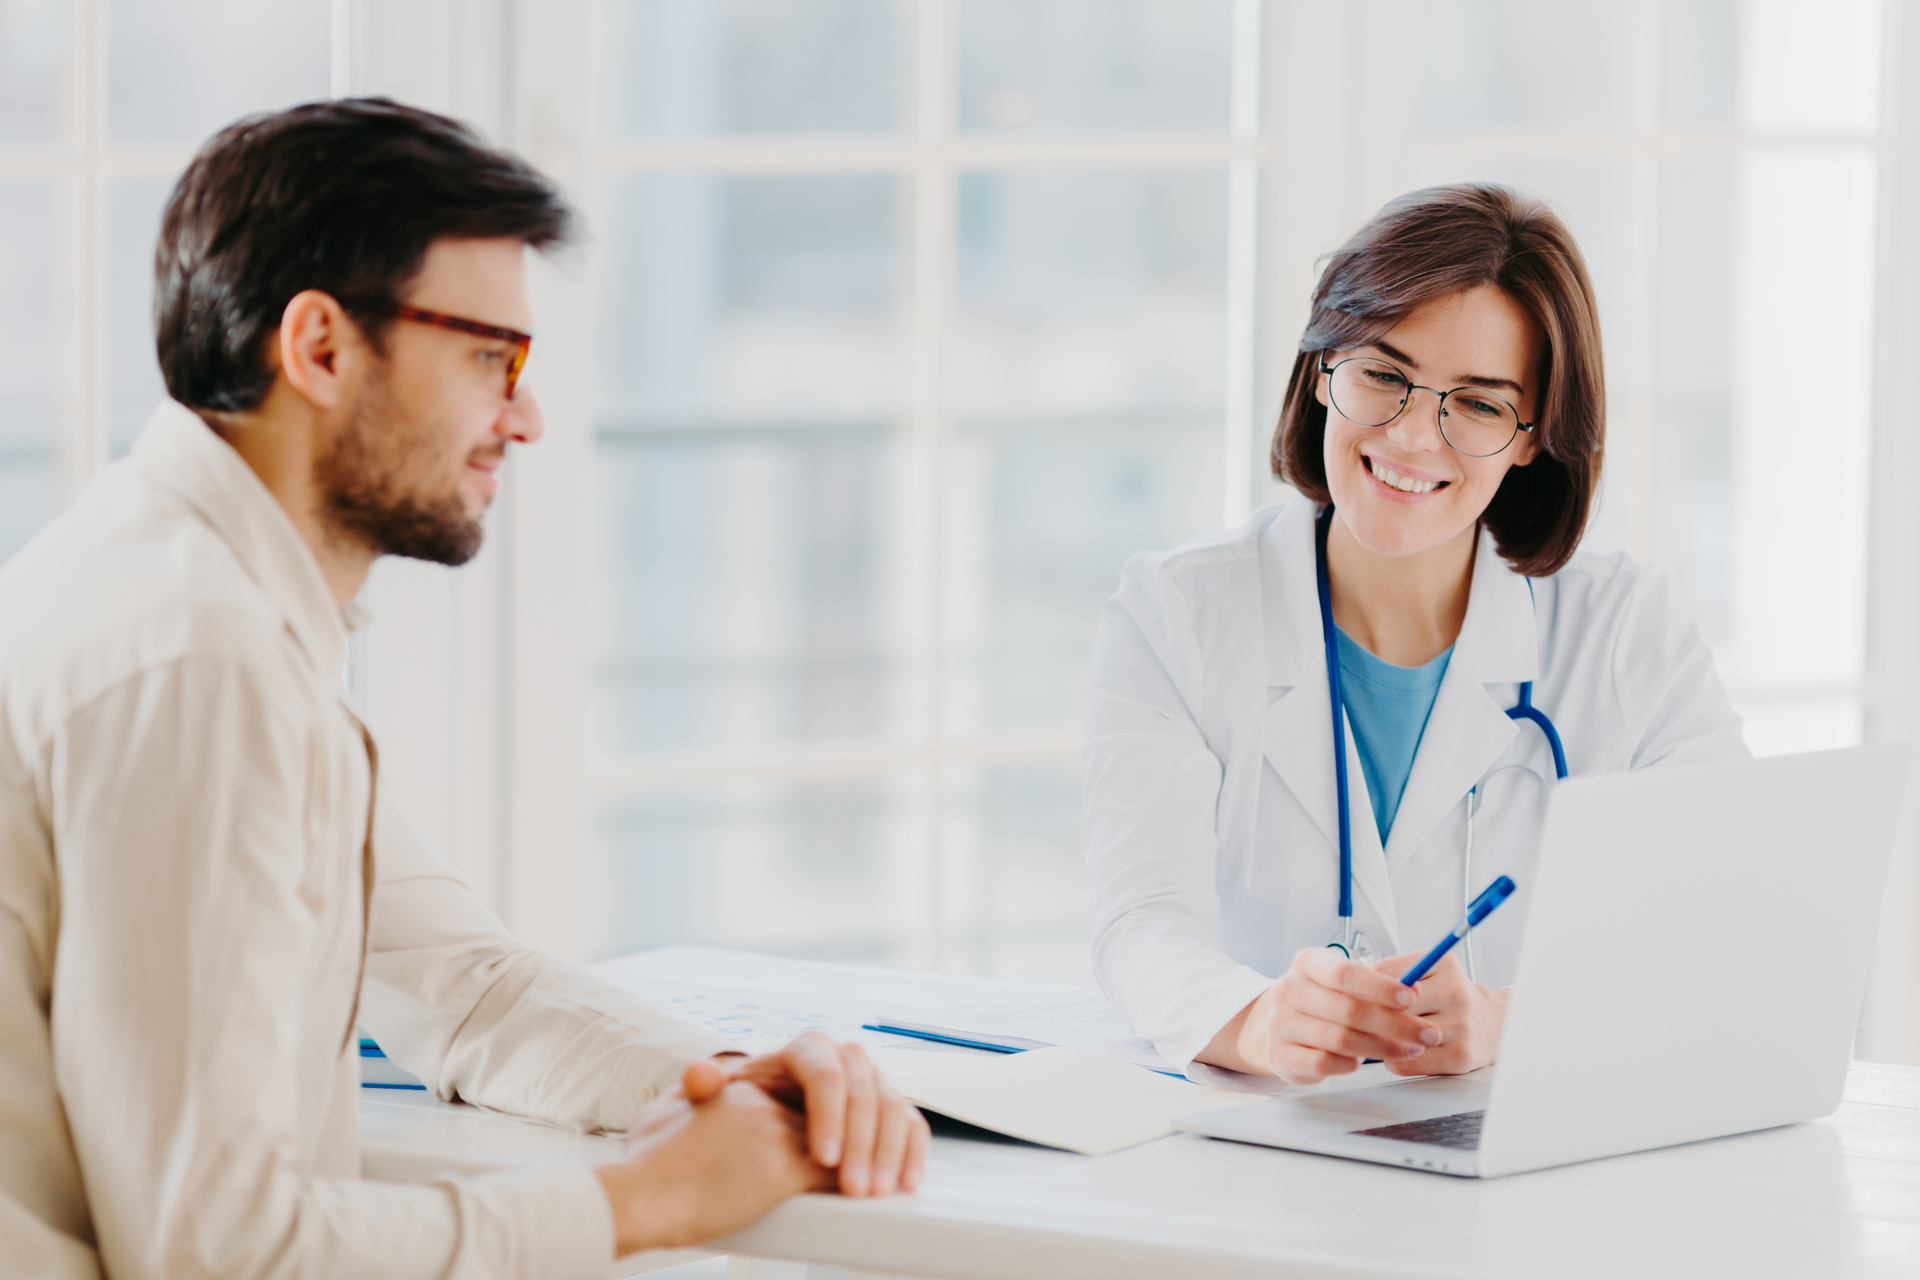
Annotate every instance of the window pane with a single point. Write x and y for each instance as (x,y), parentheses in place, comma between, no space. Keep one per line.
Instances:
(30,381)
(721,66)
(1045,515)
(1764,251)
(786,868)
(748,299)
(134,387)
(1773,65)
(1802,425)
(1019,905)
(1503,64)
(1090,293)
(742,594)
(1810,67)
(179,72)
(1785,726)
(1095,64)
(747,405)
(33,69)
(1702,66)
(1698,268)
(1087,383)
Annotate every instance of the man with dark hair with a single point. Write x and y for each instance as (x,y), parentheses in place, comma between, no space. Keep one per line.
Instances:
(202,891)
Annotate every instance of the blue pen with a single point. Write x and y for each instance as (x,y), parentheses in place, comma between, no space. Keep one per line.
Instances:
(1482,907)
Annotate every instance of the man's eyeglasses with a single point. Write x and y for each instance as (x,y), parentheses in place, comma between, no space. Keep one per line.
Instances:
(521,341)
(1372,393)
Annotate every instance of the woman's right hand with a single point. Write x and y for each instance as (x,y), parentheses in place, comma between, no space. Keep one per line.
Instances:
(1323,1017)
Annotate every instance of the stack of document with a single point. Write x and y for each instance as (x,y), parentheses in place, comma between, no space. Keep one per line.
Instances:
(1064,1069)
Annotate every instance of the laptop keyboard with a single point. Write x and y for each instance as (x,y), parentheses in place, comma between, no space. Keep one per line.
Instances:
(1462,1129)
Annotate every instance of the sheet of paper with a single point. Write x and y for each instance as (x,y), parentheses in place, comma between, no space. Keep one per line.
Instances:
(744,1021)
(1071,1017)
(1076,1099)
(776,1001)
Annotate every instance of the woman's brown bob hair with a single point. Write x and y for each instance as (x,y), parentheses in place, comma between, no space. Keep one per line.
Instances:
(1433,243)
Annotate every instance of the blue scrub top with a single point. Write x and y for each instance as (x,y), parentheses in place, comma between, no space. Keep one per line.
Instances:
(1387,708)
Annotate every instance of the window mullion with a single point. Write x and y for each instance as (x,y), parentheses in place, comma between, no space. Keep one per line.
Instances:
(932,251)
(1638,528)
(1242,291)
(84,449)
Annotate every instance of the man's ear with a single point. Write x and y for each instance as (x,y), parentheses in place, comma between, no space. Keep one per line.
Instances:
(320,349)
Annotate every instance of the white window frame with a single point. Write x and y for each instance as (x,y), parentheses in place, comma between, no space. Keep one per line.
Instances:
(1273,242)
(477,680)
(927,156)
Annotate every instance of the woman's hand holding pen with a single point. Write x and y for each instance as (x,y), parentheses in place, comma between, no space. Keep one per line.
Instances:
(1467,1015)
(1323,1017)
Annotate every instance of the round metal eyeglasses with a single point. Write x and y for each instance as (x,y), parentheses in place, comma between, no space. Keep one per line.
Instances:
(1372,393)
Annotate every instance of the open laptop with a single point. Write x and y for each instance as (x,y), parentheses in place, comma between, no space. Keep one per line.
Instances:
(1693,965)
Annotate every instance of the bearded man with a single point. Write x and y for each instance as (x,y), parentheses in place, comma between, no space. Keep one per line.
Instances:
(202,891)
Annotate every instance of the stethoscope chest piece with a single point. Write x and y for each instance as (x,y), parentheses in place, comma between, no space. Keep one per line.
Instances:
(1357,947)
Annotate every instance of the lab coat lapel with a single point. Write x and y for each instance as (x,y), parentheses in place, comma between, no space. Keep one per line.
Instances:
(1299,729)
(1468,729)
(1371,878)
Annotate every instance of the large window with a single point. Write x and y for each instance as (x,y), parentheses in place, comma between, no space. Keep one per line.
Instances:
(901,324)
(911,327)
(1718,161)
(101,105)
(914,321)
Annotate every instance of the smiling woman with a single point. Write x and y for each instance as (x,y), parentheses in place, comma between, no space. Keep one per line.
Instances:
(1421,266)
(1444,422)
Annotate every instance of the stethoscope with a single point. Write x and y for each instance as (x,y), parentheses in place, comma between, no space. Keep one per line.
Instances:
(1352,943)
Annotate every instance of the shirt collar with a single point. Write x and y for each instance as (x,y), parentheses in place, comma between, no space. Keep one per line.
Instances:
(1498,641)
(180,452)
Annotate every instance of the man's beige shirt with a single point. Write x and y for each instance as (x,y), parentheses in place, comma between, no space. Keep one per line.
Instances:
(200,896)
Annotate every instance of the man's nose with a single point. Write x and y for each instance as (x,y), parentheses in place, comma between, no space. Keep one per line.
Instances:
(1417,429)
(521,420)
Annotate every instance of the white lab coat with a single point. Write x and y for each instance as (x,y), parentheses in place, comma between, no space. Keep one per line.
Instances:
(1211,830)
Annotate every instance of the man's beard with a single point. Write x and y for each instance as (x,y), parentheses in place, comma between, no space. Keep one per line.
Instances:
(370,486)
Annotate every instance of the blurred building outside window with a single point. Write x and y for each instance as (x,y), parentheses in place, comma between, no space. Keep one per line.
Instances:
(901,325)
(912,324)
(999,240)
(101,106)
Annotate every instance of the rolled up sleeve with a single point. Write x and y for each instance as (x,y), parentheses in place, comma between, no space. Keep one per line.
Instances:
(478,1016)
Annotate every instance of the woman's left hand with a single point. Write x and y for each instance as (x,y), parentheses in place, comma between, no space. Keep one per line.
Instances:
(1468,1015)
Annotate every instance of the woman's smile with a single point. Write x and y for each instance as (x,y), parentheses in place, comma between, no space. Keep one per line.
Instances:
(1401,483)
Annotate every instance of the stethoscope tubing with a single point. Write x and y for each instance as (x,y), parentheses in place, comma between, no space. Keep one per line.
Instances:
(1322,527)
(1522,710)
(1525,710)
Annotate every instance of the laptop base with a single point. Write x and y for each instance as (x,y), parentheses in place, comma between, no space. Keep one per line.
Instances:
(1333,1123)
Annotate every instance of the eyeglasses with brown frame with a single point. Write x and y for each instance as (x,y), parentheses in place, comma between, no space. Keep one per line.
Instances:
(521,341)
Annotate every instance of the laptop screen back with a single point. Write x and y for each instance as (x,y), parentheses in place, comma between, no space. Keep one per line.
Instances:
(1695,954)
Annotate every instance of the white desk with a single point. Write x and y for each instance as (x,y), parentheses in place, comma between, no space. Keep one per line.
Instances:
(1835,1197)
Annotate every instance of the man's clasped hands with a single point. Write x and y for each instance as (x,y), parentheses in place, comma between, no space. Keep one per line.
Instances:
(740,1134)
